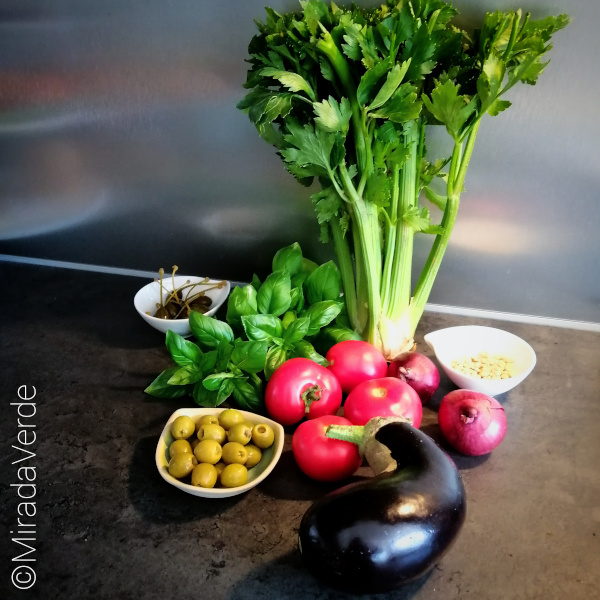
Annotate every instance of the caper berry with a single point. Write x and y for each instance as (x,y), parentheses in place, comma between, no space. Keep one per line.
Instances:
(162,313)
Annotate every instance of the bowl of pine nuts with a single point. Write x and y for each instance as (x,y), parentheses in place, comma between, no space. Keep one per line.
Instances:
(483,359)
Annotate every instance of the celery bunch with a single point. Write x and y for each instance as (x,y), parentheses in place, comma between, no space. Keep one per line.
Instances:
(347,96)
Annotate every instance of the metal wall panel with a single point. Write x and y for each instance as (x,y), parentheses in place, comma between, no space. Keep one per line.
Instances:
(120,145)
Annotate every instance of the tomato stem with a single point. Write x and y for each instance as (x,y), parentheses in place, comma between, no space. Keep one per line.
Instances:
(310,395)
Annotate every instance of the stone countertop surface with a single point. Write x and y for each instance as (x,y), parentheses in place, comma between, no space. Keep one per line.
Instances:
(106,525)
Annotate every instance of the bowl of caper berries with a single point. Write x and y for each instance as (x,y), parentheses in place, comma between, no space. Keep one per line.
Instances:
(218,452)
(166,303)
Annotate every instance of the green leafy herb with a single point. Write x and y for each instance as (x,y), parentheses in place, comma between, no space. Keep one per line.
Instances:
(267,324)
(348,96)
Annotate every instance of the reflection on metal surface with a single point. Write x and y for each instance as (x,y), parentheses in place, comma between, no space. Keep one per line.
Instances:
(494,237)
(118,125)
(241,223)
(46,215)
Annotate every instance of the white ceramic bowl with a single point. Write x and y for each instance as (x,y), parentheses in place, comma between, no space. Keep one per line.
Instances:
(455,343)
(146,299)
(256,474)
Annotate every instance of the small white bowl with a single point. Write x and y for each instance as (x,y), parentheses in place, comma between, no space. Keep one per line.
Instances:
(146,299)
(455,343)
(270,456)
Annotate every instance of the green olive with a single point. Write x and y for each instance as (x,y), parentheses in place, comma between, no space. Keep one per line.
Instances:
(254,456)
(182,427)
(208,451)
(195,441)
(240,433)
(219,467)
(204,475)
(263,436)
(182,464)
(234,475)
(207,420)
(230,417)
(179,446)
(234,452)
(212,432)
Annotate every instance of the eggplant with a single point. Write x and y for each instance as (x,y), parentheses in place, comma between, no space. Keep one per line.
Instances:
(378,534)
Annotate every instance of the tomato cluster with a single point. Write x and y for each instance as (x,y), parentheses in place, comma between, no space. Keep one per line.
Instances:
(302,388)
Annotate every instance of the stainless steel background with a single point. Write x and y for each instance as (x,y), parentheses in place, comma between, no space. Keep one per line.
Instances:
(120,145)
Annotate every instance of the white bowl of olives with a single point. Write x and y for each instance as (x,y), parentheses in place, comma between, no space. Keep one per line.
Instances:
(165,303)
(218,452)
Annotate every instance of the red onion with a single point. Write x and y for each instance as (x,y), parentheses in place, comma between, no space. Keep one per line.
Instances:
(418,371)
(473,423)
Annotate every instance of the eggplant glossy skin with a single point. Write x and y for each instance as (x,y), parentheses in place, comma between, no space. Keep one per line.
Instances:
(379,534)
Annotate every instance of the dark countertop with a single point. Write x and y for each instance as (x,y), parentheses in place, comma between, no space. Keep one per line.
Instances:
(107,525)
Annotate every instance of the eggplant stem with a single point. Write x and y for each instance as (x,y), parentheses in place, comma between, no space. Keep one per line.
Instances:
(347,433)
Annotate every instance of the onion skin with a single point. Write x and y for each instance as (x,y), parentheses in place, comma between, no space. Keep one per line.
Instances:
(418,371)
(472,422)
(381,533)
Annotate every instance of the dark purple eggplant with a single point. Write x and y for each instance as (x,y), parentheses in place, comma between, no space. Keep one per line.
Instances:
(378,534)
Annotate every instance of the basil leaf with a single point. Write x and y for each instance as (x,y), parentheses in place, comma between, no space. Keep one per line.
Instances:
(185,375)
(224,391)
(324,283)
(262,327)
(223,354)
(242,301)
(247,396)
(249,356)
(296,330)
(182,351)
(305,349)
(209,331)
(213,382)
(308,266)
(160,388)
(207,362)
(289,259)
(276,356)
(332,334)
(321,314)
(296,295)
(298,279)
(255,283)
(204,397)
(274,294)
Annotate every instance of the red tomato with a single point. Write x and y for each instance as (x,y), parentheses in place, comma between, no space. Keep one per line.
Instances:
(353,362)
(300,387)
(385,397)
(323,458)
